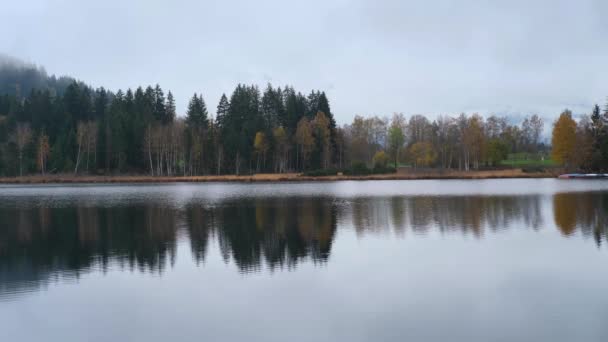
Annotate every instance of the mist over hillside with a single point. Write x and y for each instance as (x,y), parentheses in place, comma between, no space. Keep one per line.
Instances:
(18,78)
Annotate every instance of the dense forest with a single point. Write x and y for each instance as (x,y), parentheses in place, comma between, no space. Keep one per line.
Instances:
(60,125)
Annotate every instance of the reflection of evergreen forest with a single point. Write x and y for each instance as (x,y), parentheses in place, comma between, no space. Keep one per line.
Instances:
(38,244)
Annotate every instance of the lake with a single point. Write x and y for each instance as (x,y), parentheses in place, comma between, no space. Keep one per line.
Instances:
(444,260)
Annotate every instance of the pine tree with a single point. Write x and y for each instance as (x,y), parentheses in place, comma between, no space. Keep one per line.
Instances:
(160,112)
(222,111)
(196,115)
(218,140)
(170,108)
(273,109)
(597,123)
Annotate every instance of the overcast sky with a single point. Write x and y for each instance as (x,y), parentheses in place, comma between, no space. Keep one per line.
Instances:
(371,57)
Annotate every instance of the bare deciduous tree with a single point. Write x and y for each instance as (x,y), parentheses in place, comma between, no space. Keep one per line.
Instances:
(23,136)
(43,152)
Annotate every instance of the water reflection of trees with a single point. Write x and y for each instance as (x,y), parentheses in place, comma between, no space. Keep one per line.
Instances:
(37,244)
(40,243)
(78,238)
(466,214)
(275,232)
(582,211)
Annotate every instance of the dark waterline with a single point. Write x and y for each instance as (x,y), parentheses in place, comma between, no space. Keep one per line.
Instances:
(359,261)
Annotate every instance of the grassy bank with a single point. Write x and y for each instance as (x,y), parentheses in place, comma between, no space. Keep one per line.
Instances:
(285,177)
(523,160)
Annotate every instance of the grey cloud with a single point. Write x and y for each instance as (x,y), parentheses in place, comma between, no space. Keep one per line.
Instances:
(372,57)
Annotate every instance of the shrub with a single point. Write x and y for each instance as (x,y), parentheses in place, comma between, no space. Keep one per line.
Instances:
(380,160)
(384,170)
(321,172)
(357,169)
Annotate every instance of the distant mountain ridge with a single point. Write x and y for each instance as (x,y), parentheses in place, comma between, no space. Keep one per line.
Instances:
(18,78)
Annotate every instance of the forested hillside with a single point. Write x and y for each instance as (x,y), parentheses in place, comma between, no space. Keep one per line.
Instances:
(18,78)
(80,129)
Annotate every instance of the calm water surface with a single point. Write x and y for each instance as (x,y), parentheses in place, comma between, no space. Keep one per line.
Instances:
(488,260)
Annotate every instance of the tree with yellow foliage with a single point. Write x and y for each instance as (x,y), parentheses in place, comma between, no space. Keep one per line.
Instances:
(563,139)
(305,142)
(380,159)
(322,127)
(260,146)
(423,154)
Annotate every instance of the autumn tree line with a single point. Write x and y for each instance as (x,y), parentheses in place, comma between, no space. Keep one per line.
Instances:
(581,145)
(275,130)
(462,142)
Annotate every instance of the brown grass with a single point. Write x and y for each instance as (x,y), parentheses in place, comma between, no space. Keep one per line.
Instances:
(285,177)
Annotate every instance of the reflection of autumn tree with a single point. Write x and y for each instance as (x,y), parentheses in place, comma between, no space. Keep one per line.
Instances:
(420,213)
(473,209)
(564,210)
(585,211)
(444,214)
(370,215)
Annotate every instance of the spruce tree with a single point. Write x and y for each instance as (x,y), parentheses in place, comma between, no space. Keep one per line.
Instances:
(222,111)
(196,115)
(170,113)
(160,113)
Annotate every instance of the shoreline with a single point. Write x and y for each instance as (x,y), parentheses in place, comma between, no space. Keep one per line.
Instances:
(272,178)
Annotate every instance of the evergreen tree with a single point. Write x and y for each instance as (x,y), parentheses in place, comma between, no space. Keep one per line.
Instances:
(101,115)
(597,122)
(160,112)
(170,108)
(273,109)
(196,115)
(222,110)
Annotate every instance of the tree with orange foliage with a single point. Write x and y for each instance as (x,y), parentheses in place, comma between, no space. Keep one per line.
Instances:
(564,139)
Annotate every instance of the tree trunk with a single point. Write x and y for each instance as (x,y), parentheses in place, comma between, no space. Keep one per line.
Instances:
(238,162)
(150,156)
(219,160)
(77,160)
(88,151)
